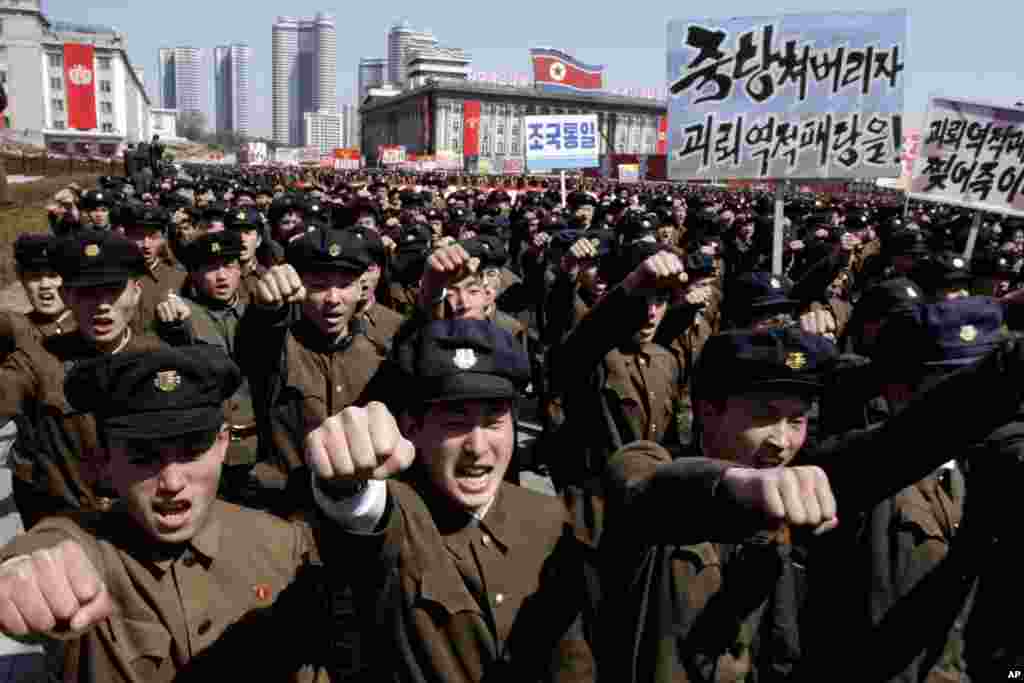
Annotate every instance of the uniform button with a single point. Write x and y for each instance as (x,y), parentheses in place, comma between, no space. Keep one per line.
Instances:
(189,560)
(499,598)
(338,388)
(205,627)
(486,540)
(652,394)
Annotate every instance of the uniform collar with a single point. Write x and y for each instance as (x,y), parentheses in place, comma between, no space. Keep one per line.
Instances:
(458,527)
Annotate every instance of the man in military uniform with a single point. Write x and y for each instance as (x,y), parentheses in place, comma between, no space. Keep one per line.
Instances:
(500,603)
(172,584)
(62,463)
(715,602)
(302,345)
(249,226)
(147,227)
(95,207)
(213,317)
(49,316)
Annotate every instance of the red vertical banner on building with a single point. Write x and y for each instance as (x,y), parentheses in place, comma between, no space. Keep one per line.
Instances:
(471,128)
(662,147)
(80,81)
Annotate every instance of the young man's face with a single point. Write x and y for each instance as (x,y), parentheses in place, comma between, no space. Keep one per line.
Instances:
(104,313)
(591,280)
(99,216)
(169,484)
(149,240)
(468,299)
(657,306)
(290,225)
(331,300)
(250,242)
(466,447)
(219,280)
(43,290)
(755,429)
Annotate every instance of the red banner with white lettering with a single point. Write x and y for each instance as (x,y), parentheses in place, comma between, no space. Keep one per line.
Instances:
(662,147)
(80,80)
(471,128)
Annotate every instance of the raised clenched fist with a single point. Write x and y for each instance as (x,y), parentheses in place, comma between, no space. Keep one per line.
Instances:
(280,285)
(172,310)
(54,591)
(663,270)
(358,443)
(797,496)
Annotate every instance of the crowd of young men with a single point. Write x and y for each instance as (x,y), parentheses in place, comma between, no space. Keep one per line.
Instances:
(267,427)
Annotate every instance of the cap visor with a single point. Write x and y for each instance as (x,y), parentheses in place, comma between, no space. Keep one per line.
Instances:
(467,386)
(99,279)
(164,423)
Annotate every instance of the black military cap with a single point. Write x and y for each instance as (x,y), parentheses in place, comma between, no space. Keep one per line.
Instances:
(887,297)
(244,219)
(141,216)
(92,258)
(92,199)
(943,270)
(577,199)
(282,205)
(454,360)
(372,243)
(162,393)
(330,249)
(783,359)
(212,247)
(908,242)
(944,334)
(699,264)
(34,252)
(758,290)
(459,216)
(414,237)
(488,248)
(216,211)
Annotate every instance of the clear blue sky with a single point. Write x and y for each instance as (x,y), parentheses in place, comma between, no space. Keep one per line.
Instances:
(971,49)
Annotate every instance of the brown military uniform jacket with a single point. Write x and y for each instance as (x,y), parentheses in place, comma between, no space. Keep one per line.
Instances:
(167,278)
(299,378)
(448,598)
(616,392)
(681,615)
(58,461)
(250,282)
(382,324)
(15,327)
(225,604)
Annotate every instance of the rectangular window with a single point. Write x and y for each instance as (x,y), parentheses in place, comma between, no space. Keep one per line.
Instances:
(3,77)
(501,148)
(105,86)
(58,105)
(107,107)
(3,53)
(515,147)
(58,125)
(108,128)
(103,63)
(56,60)
(56,84)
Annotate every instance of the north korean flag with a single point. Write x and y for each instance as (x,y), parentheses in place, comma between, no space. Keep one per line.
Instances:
(556,71)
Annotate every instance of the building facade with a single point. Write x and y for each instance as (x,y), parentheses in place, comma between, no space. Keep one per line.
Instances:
(436,64)
(164,122)
(231,88)
(431,120)
(349,125)
(304,74)
(180,79)
(32,49)
(403,42)
(323,131)
(371,73)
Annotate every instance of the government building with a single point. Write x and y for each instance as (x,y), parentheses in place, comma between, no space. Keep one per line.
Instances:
(32,69)
(431,119)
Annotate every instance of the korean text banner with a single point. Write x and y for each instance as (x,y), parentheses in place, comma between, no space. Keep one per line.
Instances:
(561,142)
(972,155)
(790,96)
(79,76)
